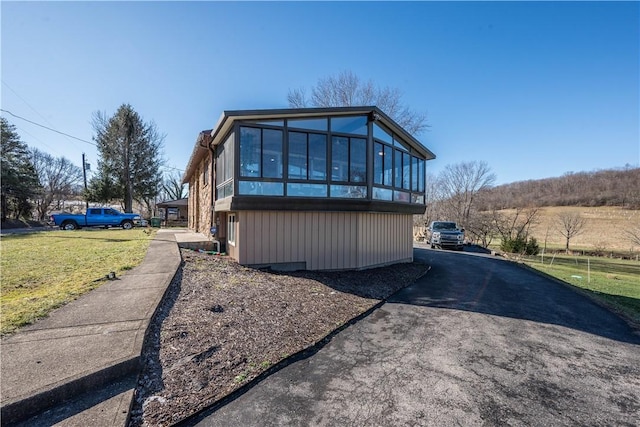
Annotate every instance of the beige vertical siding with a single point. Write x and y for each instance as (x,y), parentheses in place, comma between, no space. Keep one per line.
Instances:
(385,238)
(322,240)
(232,250)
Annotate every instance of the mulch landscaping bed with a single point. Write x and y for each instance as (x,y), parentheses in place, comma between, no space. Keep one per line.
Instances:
(221,325)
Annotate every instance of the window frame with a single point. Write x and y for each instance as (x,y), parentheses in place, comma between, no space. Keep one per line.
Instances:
(403,168)
(349,160)
(225,166)
(205,172)
(401,184)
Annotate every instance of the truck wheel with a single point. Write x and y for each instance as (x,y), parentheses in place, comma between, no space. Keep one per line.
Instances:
(127,225)
(69,225)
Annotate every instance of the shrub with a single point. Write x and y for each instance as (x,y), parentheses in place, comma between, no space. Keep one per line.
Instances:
(520,245)
(532,247)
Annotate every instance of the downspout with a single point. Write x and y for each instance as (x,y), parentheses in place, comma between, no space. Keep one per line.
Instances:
(213,191)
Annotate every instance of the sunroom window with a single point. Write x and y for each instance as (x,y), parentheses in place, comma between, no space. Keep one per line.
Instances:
(326,157)
(260,153)
(348,159)
(353,125)
(382,164)
(308,124)
(307,156)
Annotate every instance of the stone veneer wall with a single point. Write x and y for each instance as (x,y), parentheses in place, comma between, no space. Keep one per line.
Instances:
(200,201)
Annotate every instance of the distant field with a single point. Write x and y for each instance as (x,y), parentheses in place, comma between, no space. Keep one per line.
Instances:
(605,228)
(613,282)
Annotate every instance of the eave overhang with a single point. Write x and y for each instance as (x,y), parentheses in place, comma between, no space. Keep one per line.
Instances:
(262,203)
(228,118)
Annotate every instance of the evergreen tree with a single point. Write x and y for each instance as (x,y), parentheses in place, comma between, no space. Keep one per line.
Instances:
(19,182)
(130,158)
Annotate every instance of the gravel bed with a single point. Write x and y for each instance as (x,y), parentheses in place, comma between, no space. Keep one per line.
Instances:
(221,325)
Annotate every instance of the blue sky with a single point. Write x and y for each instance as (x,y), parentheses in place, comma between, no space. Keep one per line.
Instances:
(534,89)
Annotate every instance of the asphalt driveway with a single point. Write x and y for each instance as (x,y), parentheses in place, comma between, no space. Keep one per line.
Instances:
(476,342)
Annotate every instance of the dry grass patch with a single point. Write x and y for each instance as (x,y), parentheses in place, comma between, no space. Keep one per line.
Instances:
(605,228)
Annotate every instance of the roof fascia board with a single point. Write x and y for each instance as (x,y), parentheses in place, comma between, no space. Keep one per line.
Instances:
(229,117)
(396,128)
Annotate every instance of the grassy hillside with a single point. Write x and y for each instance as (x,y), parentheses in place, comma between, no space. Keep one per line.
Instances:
(613,187)
(605,228)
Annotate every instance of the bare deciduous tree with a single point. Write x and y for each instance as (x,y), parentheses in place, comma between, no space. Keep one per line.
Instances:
(634,234)
(614,187)
(570,225)
(58,178)
(433,199)
(173,188)
(515,224)
(346,89)
(460,184)
(481,228)
(513,227)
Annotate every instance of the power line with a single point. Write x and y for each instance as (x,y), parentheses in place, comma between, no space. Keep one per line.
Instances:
(32,109)
(48,128)
(70,136)
(37,139)
(171,167)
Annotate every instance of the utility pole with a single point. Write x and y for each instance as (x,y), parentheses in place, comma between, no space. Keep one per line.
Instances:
(84,174)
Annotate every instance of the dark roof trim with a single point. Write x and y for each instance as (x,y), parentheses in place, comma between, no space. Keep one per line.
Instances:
(261,203)
(170,203)
(200,150)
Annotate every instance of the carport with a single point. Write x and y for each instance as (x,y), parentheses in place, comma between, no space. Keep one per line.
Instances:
(174,213)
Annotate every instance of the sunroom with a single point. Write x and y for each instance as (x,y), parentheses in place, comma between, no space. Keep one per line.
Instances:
(316,188)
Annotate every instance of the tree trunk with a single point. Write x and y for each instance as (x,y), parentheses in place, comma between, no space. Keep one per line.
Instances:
(43,207)
(128,187)
(3,203)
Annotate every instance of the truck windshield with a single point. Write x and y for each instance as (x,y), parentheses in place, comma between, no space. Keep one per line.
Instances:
(444,226)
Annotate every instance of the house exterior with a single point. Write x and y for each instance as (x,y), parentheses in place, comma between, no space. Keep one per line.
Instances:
(312,188)
(174,212)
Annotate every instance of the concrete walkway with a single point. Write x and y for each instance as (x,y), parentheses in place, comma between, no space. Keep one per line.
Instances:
(79,365)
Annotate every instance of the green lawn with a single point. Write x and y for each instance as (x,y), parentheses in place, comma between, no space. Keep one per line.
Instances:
(42,271)
(614,282)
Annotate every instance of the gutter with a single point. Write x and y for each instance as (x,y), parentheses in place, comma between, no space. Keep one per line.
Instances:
(213,190)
